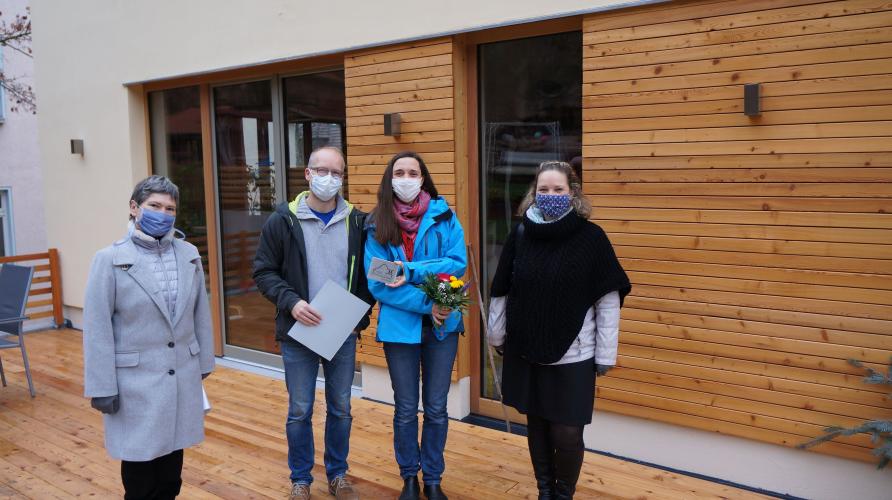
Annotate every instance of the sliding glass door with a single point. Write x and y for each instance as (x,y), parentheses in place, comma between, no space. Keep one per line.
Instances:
(530,111)
(244,150)
(264,132)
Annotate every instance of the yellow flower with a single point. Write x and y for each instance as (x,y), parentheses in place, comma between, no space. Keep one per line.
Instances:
(452,278)
(456,284)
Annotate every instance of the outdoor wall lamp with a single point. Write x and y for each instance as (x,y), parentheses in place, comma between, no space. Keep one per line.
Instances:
(392,124)
(77,147)
(751,99)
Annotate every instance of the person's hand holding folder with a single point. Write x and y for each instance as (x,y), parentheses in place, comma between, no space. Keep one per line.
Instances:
(306,314)
(342,311)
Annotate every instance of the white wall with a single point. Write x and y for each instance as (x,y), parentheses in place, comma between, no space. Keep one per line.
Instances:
(86,50)
(19,153)
(742,461)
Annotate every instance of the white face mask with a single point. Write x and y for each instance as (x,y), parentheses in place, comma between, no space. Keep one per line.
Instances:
(325,187)
(406,189)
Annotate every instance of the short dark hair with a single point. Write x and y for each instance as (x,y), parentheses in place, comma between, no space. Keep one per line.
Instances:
(386,228)
(154,184)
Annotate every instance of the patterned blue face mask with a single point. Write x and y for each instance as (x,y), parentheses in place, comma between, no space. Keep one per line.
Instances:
(153,223)
(553,205)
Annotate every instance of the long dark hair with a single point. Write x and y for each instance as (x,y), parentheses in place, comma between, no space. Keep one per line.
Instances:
(386,228)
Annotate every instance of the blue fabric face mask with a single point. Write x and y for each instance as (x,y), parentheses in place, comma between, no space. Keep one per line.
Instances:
(153,223)
(553,205)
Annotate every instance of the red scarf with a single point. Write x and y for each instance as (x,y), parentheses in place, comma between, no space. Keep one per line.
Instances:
(408,216)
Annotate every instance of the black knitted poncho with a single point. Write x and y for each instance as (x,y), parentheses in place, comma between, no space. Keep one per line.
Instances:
(552,274)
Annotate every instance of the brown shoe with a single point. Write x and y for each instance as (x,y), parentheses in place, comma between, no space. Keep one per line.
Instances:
(342,489)
(299,491)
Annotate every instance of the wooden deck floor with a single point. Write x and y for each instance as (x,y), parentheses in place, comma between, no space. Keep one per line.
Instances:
(51,446)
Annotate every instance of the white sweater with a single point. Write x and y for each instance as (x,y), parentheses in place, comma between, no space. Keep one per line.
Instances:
(598,337)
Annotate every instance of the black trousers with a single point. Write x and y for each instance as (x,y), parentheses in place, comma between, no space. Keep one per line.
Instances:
(157,479)
(557,452)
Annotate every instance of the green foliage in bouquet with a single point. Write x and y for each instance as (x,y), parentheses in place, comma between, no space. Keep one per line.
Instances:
(446,291)
(880,430)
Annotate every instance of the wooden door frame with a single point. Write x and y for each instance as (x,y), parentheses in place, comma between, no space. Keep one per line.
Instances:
(467,118)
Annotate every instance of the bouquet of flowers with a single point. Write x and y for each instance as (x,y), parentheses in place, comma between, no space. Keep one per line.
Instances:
(446,291)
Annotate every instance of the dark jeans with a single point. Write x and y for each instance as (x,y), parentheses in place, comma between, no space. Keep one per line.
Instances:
(157,479)
(433,359)
(301,368)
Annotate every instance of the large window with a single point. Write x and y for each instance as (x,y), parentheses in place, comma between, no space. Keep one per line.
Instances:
(530,111)
(315,116)
(244,140)
(258,127)
(175,120)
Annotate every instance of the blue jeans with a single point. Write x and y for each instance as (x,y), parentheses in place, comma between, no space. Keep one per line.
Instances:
(434,359)
(301,368)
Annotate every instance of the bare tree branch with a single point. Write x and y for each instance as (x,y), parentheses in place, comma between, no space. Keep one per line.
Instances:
(21,96)
(16,35)
(19,30)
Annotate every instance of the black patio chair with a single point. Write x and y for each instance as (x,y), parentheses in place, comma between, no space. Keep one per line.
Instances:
(15,283)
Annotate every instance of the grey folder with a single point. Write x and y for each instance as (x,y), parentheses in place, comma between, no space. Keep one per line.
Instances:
(340,311)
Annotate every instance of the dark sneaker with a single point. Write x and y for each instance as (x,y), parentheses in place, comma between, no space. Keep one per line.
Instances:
(342,489)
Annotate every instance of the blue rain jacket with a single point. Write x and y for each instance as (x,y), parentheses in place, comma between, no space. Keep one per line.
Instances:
(439,248)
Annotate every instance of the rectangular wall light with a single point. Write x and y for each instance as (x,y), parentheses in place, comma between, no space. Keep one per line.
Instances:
(392,124)
(751,99)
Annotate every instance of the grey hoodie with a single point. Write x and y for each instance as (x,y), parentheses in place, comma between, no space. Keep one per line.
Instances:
(326,245)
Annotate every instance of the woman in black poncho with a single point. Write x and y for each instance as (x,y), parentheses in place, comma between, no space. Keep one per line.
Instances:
(554,313)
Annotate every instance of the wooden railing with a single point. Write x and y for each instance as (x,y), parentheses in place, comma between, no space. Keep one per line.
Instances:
(45,297)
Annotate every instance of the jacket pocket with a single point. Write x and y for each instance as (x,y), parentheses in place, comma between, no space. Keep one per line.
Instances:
(126,359)
(439,245)
(194,348)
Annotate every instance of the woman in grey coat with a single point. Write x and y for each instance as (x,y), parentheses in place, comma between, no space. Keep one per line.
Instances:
(148,344)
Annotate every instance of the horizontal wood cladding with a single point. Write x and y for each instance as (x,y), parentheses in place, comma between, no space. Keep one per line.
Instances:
(415,80)
(760,248)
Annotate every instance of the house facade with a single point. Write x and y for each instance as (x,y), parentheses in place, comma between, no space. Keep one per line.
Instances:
(21,180)
(758,241)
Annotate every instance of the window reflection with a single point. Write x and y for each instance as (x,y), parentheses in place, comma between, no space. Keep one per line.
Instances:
(175,124)
(246,175)
(530,111)
(315,116)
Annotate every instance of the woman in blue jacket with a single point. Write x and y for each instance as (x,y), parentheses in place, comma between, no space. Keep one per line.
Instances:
(413,226)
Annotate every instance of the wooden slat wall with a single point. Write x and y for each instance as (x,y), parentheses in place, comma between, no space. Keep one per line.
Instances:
(760,248)
(415,80)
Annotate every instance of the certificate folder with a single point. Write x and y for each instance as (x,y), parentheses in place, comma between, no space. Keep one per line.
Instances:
(340,311)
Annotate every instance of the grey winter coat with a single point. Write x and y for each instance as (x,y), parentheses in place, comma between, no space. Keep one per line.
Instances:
(134,347)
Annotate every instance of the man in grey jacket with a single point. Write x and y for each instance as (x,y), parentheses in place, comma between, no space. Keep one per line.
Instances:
(315,238)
